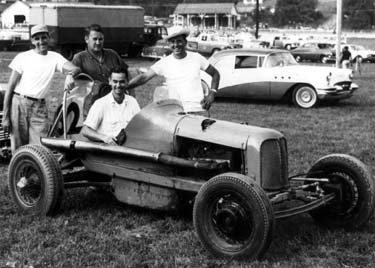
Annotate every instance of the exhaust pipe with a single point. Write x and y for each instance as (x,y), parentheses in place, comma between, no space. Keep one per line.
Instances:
(102,148)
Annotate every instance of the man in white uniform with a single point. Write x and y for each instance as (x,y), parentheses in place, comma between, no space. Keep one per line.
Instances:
(181,71)
(25,109)
(111,113)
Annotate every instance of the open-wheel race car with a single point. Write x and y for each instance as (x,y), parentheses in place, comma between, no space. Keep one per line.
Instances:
(235,174)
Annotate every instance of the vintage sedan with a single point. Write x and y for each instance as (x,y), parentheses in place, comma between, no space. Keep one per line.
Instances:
(271,74)
(158,50)
(313,51)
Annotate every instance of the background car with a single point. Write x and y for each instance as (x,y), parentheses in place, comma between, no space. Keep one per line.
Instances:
(313,51)
(271,74)
(159,50)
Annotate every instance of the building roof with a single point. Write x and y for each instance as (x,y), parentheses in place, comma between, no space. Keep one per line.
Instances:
(210,8)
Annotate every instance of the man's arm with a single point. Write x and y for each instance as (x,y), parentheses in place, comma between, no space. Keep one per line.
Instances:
(93,135)
(13,81)
(71,71)
(209,99)
(141,79)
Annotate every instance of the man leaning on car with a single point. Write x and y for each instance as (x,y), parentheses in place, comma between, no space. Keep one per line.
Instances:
(181,71)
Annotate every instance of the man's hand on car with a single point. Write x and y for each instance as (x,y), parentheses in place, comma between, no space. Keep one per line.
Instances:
(208,100)
(69,83)
(110,140)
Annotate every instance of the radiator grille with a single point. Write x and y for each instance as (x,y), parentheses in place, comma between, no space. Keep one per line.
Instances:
(274,164)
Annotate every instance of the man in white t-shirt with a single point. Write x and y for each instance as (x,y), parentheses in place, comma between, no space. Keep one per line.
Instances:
(25,109)
(181,71)
(111,113)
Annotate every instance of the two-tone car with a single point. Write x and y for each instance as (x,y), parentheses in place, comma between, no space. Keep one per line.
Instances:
(269,74)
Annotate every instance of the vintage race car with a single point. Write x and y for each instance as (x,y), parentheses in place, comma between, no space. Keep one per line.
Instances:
(269,74)
(236,175)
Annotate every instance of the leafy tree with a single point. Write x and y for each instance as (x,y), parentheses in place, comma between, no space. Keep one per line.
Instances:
(358,14)
(296,12)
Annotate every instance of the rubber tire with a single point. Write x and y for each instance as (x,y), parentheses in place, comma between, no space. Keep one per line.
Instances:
(253,197)
(47,169)
(365,185)
(301,89)
(298,58)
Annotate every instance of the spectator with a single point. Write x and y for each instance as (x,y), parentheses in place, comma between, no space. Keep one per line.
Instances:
(111,113)
(346,58)
(96,60)
(25,109)
(181,71)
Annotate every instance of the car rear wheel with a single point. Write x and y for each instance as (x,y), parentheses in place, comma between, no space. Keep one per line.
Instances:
(354,186)
(233,217)
(35,180)
(304,96)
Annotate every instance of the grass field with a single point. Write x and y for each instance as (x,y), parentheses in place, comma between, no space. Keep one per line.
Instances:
(94,230)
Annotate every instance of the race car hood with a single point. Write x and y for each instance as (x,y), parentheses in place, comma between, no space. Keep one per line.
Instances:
(223,132)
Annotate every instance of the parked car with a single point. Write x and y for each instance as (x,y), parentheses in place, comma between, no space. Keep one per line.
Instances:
(159,50)
(209,43)
(5,150)
(238,181)
(358,52)
(313,51)
(271,74)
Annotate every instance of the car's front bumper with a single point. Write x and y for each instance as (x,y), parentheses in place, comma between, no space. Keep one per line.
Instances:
(337,92)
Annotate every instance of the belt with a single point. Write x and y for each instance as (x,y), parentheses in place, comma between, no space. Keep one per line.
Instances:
(29,98)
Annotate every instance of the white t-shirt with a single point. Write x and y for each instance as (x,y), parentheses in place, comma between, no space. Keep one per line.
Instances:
(108,117)
(36,71)
(183,77)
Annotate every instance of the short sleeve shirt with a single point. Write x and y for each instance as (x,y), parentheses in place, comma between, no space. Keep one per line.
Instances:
(183,77)
(108,117)
(99,71)
(36,71)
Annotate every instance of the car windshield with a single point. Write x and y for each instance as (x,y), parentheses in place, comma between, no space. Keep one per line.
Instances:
(279,59)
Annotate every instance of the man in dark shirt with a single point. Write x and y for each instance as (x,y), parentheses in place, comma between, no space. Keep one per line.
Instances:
(96,60)
(346,58)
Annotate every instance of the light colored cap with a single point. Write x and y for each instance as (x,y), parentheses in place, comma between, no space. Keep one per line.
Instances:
(39,28)
(176,33)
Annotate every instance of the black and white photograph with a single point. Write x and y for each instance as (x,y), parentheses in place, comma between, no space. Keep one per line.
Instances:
(187,133)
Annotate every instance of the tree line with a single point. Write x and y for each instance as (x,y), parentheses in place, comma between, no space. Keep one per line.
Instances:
(357,14)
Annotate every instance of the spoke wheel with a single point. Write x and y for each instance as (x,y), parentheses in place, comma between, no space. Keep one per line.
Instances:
(304,97)
(233,217)
(354,187)
(35,180)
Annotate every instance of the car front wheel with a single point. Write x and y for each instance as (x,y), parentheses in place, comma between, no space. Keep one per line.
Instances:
(35,180)
(304,96)
(233,217)
(354,186)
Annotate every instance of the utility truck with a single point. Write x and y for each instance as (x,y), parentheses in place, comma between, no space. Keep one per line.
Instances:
(123,26)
